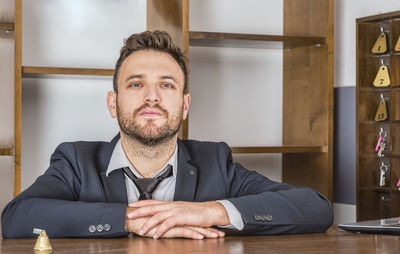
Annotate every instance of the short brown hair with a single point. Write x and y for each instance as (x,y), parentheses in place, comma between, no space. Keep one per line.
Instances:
(154,40)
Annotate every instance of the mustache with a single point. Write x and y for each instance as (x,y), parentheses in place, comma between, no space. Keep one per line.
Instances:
(148,106)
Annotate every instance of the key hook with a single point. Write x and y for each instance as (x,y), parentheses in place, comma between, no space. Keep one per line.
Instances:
(383,167)
(382,132)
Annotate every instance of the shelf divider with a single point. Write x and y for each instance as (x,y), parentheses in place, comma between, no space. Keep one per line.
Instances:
(6,26)
(279,149)
(6,151)
(32,70)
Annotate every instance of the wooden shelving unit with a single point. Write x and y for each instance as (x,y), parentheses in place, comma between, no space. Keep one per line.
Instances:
(210,39)
(307,81)
(373,200)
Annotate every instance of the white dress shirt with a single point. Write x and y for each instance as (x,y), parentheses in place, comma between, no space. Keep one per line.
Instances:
(166,189)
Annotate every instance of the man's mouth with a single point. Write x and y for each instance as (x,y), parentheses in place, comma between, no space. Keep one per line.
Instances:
(150,112)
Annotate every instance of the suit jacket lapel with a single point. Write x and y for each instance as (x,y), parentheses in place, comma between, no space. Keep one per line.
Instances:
(186,178)
(114,184)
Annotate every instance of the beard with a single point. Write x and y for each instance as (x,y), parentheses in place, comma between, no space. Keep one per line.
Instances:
(150,134)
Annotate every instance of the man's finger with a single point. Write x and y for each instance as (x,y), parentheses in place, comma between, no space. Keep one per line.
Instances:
(167,225)
(147,202)
(183,232)
(219,232)
(207,232)
(154,221)
(148,210)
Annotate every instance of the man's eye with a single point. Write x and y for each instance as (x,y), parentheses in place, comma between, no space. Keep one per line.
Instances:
(166,85)
(134,85)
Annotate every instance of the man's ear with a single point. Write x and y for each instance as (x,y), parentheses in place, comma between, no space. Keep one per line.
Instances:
(112,103)
(186,105)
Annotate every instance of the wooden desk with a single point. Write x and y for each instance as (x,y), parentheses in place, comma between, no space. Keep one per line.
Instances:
(335,241)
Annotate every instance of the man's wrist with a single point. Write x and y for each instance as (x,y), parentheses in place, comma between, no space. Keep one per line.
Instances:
(220,214)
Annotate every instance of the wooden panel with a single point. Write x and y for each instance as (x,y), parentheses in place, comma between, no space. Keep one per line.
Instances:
(370,165)
(210,39)
(279,149)
(17,94)
(172,16)
(67,71)
(380,17)
(6,26)
(308,95)
(6,151)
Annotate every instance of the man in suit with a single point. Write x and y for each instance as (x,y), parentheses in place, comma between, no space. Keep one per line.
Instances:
(147,181)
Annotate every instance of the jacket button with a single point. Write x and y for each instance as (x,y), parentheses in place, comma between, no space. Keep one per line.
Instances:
(107,227)
(263,217)
(100,228)
(92,229)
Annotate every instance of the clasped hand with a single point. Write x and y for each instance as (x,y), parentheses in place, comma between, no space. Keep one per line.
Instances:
(169,219)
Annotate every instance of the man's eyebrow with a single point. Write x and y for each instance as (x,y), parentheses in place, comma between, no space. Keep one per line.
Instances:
(168,77)
(133,76)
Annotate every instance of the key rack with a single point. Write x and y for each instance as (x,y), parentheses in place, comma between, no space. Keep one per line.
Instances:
(378,195)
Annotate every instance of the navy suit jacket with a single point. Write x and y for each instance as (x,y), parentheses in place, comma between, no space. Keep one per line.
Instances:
(74,193)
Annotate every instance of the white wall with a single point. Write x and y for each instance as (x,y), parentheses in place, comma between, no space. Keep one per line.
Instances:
(6,103)
(237,92)
(71,33)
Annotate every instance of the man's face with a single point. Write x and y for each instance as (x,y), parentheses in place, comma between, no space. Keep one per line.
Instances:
(150,104)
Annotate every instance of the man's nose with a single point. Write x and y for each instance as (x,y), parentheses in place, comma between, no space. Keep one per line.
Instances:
(152,95)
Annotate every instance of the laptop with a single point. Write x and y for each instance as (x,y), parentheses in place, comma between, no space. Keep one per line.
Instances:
(382,226)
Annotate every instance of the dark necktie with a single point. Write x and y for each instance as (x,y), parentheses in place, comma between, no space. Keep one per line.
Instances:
(146,186)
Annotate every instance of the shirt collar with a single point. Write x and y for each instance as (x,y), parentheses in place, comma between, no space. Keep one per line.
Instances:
(119,160)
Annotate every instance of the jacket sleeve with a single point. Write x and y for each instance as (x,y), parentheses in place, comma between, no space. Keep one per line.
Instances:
(269,207)
(53,203)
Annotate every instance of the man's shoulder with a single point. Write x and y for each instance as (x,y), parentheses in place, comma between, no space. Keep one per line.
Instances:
(200,148)
(98,150)
(82,145)
(201,144)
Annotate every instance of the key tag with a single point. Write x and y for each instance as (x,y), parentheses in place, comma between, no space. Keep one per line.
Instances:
(381,145)
(381,113)
(378,144)
(380,45)
(382,78)
(383,170)
(397,47)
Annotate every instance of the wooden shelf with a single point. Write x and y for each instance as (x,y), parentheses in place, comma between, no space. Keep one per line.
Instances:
(377,189)
(380,17)
(210,39)
(4,151)
(6,26)
(279,149)
(31,70)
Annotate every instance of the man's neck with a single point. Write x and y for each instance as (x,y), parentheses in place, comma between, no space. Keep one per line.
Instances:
(147,160)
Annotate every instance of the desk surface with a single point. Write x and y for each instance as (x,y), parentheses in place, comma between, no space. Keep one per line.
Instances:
(334,241)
